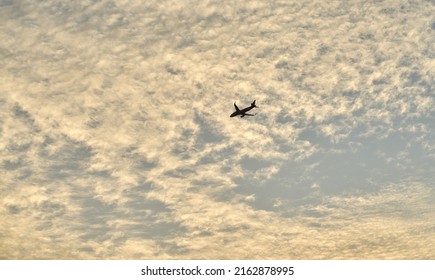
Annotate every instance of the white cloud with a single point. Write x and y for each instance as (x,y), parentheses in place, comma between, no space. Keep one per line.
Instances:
(115,128)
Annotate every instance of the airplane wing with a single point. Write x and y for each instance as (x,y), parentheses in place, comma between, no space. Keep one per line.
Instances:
(237,108)
(246,114)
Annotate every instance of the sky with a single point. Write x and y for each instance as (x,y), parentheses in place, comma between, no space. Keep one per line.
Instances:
(116,140)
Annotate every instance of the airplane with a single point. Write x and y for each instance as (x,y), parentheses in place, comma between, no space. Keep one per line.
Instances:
(243,111)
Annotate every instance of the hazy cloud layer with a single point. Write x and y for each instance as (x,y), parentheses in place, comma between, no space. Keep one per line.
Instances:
(116,141)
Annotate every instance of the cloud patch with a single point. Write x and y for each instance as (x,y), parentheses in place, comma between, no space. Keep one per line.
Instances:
(116,141)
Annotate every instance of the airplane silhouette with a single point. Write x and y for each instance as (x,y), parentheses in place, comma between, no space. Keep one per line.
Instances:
(243,111)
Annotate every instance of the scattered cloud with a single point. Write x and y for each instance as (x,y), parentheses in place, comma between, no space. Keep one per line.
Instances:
(116,141)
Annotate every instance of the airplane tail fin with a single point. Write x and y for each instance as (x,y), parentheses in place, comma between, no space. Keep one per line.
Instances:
(253,104)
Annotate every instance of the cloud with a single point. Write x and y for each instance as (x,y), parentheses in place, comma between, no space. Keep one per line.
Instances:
(116,141)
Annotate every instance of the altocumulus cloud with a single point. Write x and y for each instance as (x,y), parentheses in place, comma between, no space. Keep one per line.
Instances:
(116,141)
